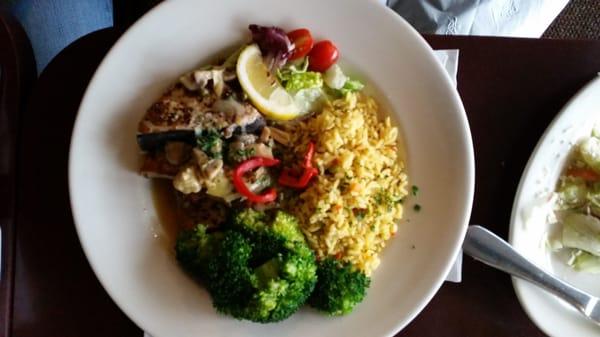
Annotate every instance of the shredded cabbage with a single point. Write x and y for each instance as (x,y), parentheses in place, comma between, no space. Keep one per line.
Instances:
(572,193)
(581,231)
(583,261)
(578,206)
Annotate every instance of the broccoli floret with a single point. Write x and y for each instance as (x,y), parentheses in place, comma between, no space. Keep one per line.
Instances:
(269,233)
(283,286)
(267,272)
(228,278)
(249,220)
(287,226)
(301,274)
(195,247)
(339,288)
(279,288)
(253,222)
(259,269)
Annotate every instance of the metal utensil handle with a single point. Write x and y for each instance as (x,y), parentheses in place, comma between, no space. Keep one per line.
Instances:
(490,249)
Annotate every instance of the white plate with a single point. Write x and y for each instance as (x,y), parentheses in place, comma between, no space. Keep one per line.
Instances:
(112,204)
(530,225)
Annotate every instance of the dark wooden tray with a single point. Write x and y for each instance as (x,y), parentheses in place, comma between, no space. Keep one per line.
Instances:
(511,89)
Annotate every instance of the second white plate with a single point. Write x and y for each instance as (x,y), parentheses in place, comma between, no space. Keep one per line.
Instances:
(530,225)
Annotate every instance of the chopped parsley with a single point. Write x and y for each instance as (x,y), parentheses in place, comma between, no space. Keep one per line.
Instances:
(384,198)
(381,197)
(415,190)
(245,153)
(209,142)
(264,180)
(417,207)
(359,214)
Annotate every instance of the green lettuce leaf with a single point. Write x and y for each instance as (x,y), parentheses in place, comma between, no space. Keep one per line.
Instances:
(295,77)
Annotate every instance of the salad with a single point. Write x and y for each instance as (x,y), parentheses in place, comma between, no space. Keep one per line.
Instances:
(286,183)
(578,206)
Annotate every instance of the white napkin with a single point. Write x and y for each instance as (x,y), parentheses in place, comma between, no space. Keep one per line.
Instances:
(449,60)
(514,18)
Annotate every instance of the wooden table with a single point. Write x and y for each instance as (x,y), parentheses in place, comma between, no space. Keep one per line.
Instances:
(17,74)
(511,88)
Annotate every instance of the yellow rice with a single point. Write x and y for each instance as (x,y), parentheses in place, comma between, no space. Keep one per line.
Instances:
(352,208)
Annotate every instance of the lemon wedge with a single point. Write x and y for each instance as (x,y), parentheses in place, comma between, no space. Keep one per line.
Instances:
(263,89)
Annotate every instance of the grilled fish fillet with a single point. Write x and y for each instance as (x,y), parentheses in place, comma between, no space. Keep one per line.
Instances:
(181,109)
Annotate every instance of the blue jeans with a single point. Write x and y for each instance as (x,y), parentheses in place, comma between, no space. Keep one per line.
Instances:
(53,24)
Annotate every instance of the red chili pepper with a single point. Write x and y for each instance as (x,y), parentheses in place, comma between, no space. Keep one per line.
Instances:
(287,179)
(247,166)
(310,151)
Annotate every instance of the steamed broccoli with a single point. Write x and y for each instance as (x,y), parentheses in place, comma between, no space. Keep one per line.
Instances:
(270,232)
(249,221)
(287,226)
(256,222)
(259,268)
(339,288)
(195,247)
(283,285)
(228,278)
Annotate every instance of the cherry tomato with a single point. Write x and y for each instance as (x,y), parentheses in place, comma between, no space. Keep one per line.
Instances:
(323,55)
(303,42)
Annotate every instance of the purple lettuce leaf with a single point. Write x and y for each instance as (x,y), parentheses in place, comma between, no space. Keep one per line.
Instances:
(274,44)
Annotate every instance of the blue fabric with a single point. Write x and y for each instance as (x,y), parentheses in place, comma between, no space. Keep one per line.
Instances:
(53,24)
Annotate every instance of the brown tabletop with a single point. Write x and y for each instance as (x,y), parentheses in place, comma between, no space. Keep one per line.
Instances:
(511,89)
(17,74)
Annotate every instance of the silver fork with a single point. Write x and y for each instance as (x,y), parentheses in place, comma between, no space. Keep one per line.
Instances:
(490,249)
